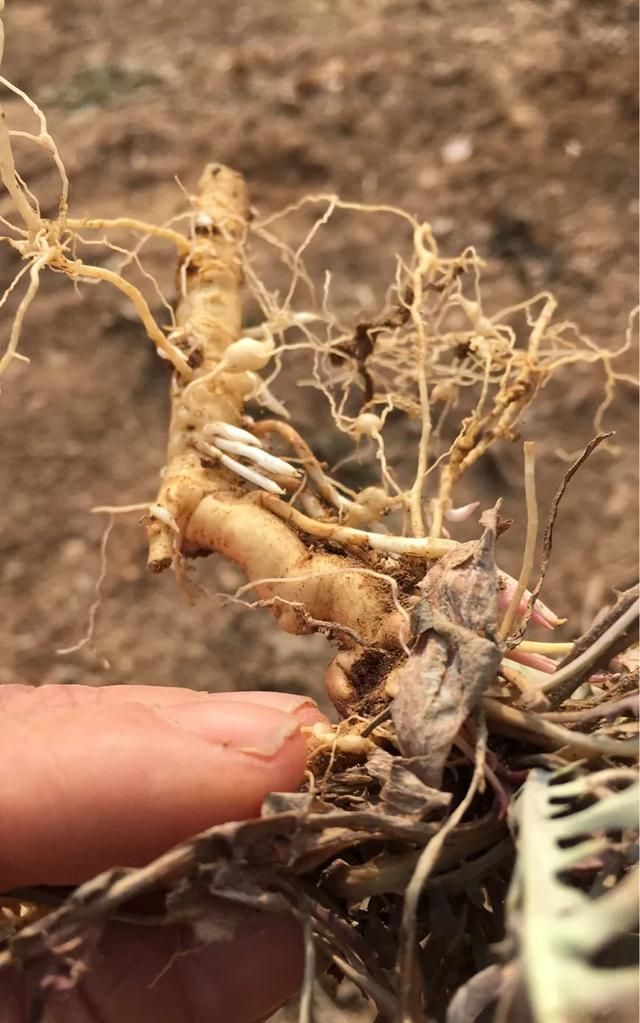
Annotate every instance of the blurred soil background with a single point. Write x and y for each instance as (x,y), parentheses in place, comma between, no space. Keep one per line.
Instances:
(509,124)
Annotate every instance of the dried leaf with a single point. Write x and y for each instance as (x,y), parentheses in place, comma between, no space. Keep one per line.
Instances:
(402,792)
(286,802)
(455,657)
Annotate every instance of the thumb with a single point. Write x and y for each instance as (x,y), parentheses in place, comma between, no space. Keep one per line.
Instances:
(96,777)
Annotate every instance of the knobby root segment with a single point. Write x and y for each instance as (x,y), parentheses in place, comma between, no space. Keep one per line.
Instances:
(201,505)
(427,347)
(314,565)
(208,319)
(265,548)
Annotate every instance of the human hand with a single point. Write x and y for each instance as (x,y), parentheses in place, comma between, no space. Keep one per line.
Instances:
(96,777)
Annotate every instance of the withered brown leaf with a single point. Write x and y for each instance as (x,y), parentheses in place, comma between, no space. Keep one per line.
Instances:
(455,656)
(402,792)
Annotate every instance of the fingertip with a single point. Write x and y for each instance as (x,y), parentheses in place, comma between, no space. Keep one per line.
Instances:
(120,783)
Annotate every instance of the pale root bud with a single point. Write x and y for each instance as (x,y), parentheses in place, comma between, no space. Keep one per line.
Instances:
(392,686)
(542,615)
(374,500)
(428,262)
(340,690)
(446,390)
(369,506)
(247,354)
(475,316)
(323,732)
(184,416)
(367,424)
(322,735)
(156,511)
(461,514)
(229,432)
(239,384)
(355,745)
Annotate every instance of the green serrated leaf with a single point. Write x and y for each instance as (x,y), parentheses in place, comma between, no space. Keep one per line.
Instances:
(559,928)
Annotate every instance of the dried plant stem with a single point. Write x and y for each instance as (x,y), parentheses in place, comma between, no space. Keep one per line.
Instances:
(386,1002)
(391,872)
(426,863)
(519,722)
(547,540)
(604,709)
(530,544)
(532,697)
(567,679)
(305,1011)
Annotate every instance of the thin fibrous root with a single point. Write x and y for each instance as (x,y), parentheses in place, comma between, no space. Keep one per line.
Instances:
(416,547)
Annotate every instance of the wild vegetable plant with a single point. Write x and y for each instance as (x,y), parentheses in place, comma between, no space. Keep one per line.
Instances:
(454,726)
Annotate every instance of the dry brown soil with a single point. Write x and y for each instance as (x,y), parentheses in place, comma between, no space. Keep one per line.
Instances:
(510,124)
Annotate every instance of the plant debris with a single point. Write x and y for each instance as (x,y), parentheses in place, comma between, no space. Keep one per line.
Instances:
(455,657)
(467,831)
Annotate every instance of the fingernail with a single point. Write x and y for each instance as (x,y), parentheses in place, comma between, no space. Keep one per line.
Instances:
(245,727)
(305,709)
